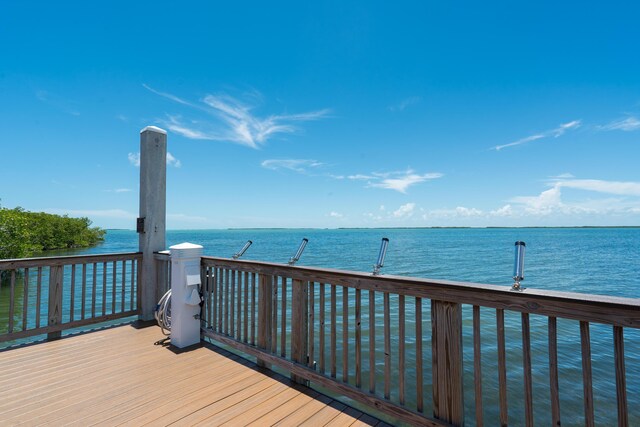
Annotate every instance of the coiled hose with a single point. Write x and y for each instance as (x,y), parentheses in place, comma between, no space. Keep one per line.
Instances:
(163,313)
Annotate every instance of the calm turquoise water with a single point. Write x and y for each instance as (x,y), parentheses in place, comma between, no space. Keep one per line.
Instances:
(599,261)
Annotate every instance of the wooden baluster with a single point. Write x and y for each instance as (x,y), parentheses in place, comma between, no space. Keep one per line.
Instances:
(253,308)
(220,302)
(419,368)
(502,368)
(55,300)
(283,319)
(73,292)
(358,339)
(585,342)
(139,284)
(477,365)
(274,316)
(232,300)
(83,292)
(553,372)
(246,307)
(239,307)
(446,332)
(526,366)
(621,381)
(299,326)
(345,334)
(401,348)
(205,312)
(322,328)
(387,346)
(311,324)
(226,301)
(132,295)
(372,342)
(94,290)
(333,331)
(12,297)
(25,299)
(104,288)
(38,296)
(124,285)
(114,292)
(265,305)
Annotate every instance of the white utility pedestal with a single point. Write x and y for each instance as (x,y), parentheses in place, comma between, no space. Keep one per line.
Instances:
(185,299)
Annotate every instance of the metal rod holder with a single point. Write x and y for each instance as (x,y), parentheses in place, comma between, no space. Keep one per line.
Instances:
(296,257)
(243,250)
(381,256)
(518,266)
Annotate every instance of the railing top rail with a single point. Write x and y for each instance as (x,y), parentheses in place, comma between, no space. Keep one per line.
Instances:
(613,310)
(10,264)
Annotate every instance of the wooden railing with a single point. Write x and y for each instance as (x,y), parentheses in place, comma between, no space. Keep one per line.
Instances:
(48,295)
(367,337)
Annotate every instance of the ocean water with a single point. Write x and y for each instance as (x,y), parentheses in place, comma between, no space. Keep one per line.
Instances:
(587,260)
(602,261)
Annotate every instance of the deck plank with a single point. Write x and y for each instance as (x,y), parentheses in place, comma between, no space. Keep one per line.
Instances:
(117,376)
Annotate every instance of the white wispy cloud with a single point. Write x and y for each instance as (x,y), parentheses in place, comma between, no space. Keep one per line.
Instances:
(405,210)
(402,105)
(231,119)
(334,214)
(627,124)
(555,133)
(134,159)
(550,201)
(172,161)
(401,181)
(619,188)
(360,177)
(119,190)
(296,165)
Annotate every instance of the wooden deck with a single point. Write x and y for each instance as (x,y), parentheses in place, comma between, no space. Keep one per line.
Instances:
(118,376)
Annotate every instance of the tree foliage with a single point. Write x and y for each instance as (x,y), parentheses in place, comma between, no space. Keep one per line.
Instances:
(24,234)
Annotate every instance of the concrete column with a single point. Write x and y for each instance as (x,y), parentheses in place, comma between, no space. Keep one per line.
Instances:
(185,299)
(153,211)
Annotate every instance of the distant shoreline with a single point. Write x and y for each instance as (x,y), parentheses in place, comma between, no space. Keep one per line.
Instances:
(392,228)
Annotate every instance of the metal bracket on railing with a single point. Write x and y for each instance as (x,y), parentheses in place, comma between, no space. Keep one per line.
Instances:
(381,256)
(243,250)
(518,267)
(296,257)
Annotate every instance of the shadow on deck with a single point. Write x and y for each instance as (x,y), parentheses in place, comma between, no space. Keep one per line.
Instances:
(118,376)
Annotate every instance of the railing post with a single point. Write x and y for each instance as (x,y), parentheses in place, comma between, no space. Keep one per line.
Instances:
(153,206)
(55,300)
(299,325)
(265,304)
(446,342)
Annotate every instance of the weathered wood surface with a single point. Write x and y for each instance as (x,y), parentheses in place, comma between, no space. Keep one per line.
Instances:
(477,366)
(110,377)
(446,338)
(55,300)
(344,389)
(10,264)
(616,311)
(621,381)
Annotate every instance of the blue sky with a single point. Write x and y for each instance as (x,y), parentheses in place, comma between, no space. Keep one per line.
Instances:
(331,114)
